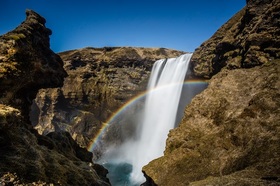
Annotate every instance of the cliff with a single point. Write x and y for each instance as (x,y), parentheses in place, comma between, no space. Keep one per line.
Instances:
(230,134)
(99,82)
(26,65)
(250,38)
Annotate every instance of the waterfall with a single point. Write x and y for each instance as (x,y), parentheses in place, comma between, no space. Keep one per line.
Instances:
(160,111)
(164,104)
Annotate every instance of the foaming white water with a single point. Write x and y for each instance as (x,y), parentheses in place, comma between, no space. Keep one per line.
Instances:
(160,112)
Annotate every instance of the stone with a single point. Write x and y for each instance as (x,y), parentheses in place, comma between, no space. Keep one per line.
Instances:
(250,38)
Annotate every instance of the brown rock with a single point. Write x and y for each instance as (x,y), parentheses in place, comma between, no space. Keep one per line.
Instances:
(100,81)
(27,63)
(248,39)
(229,134)
(26,158)
(23,155)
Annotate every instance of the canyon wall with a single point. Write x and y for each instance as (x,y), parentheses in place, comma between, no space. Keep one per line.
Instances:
(99,82)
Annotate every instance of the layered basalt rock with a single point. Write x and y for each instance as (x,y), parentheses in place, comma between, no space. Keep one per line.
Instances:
(26,65)
(248,39)
(100,81)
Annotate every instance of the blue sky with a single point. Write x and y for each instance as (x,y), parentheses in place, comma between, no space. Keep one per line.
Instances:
(175,24)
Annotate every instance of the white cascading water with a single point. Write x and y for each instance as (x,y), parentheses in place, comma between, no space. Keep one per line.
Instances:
(160,111)
(159,115)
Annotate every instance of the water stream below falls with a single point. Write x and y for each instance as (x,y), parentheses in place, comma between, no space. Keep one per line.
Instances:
(164,104)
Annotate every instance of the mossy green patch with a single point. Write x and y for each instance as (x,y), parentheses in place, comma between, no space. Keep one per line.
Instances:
(16,36)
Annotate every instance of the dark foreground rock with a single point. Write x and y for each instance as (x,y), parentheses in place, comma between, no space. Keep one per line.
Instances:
(28,158)
(26,65)
(100,81)
(230,133)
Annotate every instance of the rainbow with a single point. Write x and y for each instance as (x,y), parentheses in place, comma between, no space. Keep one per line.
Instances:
(93,142)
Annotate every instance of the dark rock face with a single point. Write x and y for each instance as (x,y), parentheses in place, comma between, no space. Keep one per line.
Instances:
(100,81)
(248,39)
(26,65)
(229,134)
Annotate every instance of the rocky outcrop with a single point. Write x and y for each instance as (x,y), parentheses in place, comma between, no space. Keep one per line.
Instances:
(248,39)
(229,134)
(27,158)
(27,63)
(100,81)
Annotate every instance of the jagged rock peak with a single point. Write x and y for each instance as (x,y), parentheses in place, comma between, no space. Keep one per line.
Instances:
(27,63)
(34,25)
(33,15)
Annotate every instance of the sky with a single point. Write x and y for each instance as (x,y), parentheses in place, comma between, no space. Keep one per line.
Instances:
(174,24)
